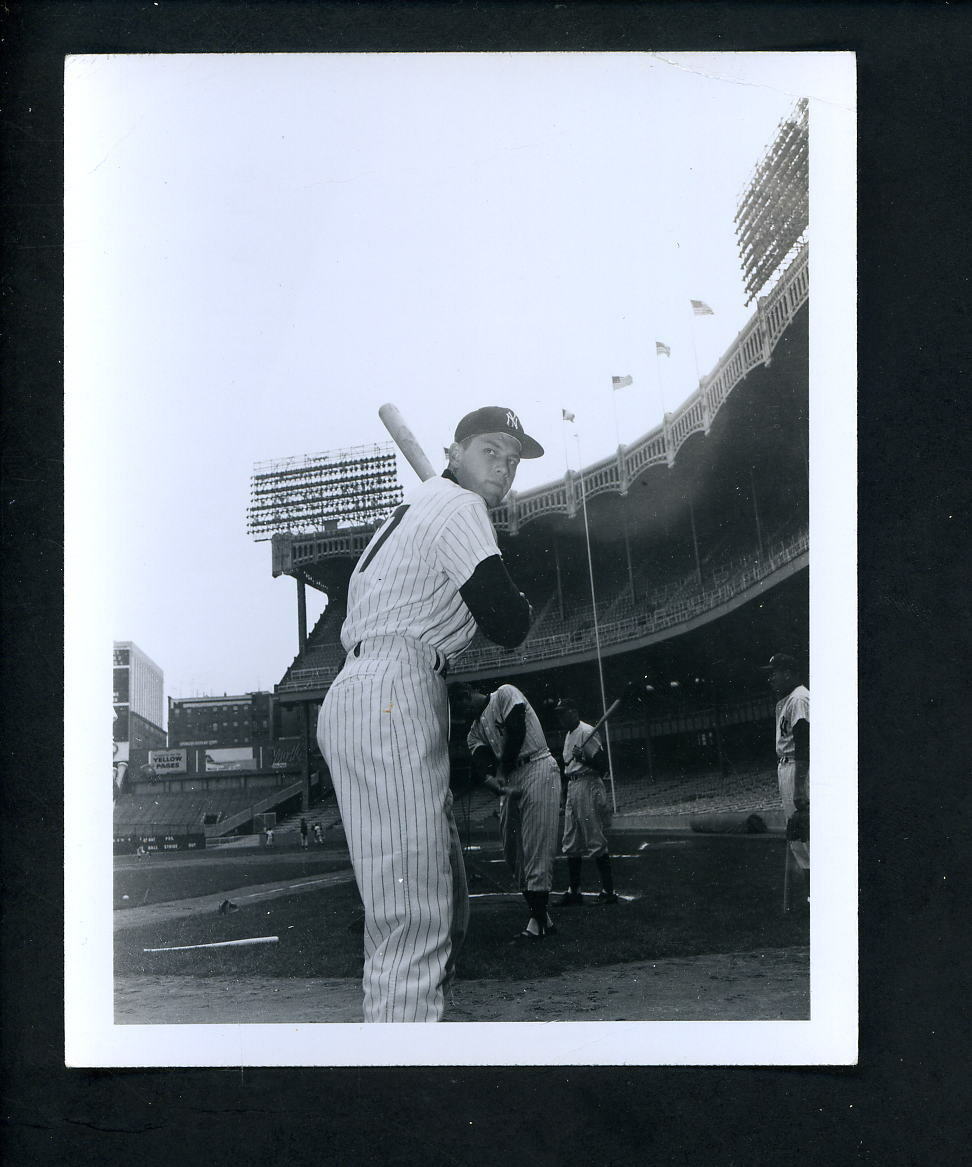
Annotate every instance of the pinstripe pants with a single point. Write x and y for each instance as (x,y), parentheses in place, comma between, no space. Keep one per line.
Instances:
(529,823)
(383,731)
(786,773)
(587,816)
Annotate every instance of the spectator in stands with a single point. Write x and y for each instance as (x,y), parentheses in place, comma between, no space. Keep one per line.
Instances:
(303,833)
(793,755)
(587,813)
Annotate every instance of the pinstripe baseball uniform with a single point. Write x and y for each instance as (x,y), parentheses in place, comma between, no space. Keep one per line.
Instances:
(529,816)
(794,707)
(383,730)
(587,814)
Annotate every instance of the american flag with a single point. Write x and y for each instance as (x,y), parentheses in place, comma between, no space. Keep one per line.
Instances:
(620,382)
(700,308)
(662,350)
(566,415)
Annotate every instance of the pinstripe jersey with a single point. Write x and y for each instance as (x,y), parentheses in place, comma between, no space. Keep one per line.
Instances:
(529,821)
(407,581)
(573,768)
(488,728)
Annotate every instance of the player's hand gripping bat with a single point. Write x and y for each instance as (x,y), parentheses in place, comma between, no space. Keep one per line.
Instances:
(406,441)
(612,708)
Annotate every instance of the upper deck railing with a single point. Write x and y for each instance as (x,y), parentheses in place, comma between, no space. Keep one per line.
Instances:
(752,347)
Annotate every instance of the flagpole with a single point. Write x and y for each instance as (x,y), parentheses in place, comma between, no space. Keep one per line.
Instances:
(661,387)
(695,355)
(597,634)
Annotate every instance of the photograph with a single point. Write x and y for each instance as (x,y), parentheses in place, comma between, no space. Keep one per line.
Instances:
(460,508)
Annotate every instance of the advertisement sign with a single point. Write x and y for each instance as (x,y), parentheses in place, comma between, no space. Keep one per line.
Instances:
(230,758)
(287,754)
(168,761)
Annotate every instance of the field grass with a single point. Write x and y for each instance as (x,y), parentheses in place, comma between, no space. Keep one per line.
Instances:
(689,895)
(160,878)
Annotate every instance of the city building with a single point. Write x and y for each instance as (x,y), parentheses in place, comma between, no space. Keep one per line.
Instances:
(137,699)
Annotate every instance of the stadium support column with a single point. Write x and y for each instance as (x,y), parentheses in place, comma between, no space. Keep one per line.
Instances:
(560,586)
(301,615)
(759,529)
(305,764)
(627,550)
(695,543)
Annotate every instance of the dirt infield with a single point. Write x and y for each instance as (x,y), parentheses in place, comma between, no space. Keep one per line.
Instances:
(746,986)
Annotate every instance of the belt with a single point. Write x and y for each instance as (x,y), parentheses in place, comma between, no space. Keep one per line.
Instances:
(394,647)
(523,759)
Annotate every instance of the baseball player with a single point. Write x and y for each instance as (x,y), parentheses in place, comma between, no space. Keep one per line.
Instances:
(587,812)
(793,753)
(430,575)
(506,738)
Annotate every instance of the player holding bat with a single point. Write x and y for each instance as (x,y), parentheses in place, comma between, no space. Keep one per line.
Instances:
(431,574)
(587,814)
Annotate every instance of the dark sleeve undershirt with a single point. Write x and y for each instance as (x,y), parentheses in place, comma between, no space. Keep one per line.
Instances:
(483,763)
(514,731)
(598,762)
(496,603)
(801,741)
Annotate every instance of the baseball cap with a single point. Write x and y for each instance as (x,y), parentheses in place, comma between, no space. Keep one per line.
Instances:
(497,419)
(565,703)
(781,660)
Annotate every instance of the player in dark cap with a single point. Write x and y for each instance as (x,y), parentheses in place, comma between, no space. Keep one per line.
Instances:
(587,813)
(430,576)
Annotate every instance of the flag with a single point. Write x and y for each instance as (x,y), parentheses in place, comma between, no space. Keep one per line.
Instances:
(700,308)
(662,350)
(566,415)
(620,382)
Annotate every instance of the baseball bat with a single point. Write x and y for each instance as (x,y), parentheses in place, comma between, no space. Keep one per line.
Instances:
(786,879)
(604,716)
(406,441)
(218,944)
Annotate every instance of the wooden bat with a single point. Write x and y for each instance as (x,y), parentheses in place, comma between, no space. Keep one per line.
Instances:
(604,716)
(406,441)
(218,944)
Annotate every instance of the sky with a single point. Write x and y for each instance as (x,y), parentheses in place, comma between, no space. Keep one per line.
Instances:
(261,249)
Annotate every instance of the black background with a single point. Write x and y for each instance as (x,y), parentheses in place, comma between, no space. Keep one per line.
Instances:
(904,1103)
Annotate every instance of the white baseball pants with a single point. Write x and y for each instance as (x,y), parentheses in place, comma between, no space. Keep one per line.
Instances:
(383,731)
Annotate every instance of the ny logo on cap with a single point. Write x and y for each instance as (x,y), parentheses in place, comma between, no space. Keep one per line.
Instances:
(512,420)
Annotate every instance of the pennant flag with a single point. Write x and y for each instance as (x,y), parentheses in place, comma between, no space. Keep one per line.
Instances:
(566,415)
(700,308)
(620,382)
(662,350)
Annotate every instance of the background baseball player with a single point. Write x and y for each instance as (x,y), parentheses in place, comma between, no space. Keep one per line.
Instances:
(506,738)
(793,754)
(431,573)
(587,812)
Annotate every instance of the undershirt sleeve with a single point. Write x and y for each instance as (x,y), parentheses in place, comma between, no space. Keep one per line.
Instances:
(496,604)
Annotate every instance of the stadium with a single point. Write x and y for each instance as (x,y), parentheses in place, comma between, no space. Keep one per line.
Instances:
(665,575)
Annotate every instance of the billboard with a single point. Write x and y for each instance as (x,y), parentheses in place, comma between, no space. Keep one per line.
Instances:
(230,758)
(167,761)
(287,754)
